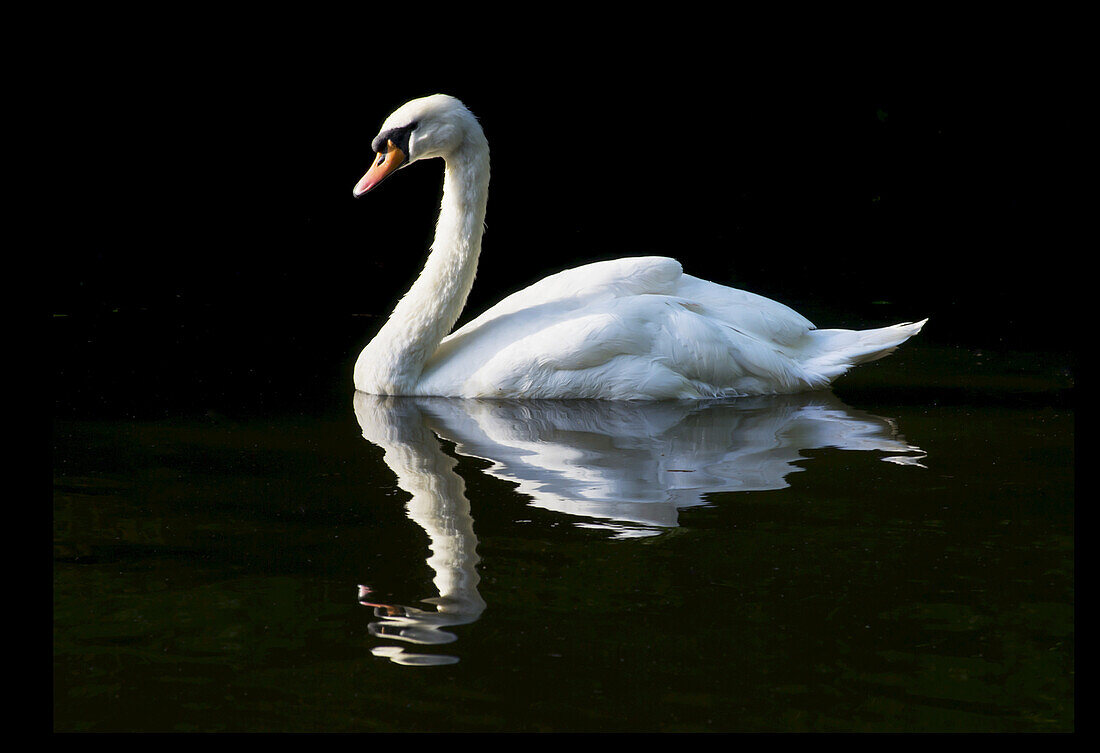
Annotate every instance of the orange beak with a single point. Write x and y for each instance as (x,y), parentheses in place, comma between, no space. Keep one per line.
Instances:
(386,163)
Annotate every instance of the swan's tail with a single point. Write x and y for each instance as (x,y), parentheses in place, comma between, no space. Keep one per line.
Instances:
(834,351)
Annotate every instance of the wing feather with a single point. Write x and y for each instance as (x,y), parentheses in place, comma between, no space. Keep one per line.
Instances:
(622,327)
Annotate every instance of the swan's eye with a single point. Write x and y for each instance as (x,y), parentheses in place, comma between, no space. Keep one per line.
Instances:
(406,136)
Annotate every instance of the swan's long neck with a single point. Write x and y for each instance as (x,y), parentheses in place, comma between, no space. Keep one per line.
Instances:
(393,361)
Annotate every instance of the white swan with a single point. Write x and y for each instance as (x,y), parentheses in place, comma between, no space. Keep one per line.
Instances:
(627,329)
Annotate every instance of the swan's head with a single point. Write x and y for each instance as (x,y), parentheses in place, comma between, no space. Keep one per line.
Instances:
(434,126)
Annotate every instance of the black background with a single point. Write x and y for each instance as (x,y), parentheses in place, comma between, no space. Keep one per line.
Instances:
(210,180)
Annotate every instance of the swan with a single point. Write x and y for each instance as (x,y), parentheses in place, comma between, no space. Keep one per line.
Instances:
(635,328)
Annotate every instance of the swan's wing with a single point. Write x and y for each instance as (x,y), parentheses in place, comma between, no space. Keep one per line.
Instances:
(656,346)
(545,350)
(547,300)
(752,314)
(601,280)
(635,326)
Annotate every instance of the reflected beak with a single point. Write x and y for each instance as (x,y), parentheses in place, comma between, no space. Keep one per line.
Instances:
(391,610)
(385,163)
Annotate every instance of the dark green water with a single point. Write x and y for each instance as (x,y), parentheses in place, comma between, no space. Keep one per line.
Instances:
(897,555)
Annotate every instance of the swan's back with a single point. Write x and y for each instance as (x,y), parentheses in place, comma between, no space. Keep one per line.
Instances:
(636,328)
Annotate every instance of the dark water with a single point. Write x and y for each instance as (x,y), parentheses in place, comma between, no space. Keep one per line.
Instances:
(897,554)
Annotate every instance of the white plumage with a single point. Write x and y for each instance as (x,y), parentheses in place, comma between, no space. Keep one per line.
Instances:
(628,329)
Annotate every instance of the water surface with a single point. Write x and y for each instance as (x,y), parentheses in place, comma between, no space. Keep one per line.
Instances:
(894,555)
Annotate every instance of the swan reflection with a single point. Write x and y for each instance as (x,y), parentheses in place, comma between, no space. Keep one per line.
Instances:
(625,467)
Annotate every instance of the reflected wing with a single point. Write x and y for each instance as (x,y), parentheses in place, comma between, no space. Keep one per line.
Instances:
(634,465)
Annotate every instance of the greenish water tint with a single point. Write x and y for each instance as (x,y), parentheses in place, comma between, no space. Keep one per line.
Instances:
(896,556)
